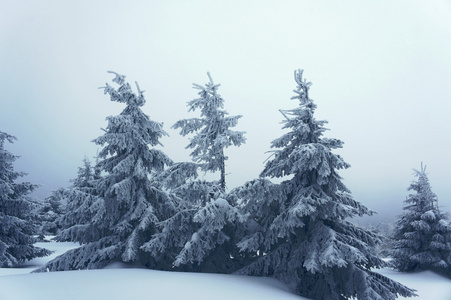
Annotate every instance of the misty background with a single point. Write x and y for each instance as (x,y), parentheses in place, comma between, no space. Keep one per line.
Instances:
(381,73)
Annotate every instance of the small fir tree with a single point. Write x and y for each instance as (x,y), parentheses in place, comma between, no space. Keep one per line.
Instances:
(49,213)
(297,231)
(212,133)
(16,230)
(131,204)
(422,238)
(199,236)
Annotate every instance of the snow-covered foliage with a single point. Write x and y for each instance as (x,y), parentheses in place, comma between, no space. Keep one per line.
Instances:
(199,236)
(211,131)
(84,209)
(189,195)
(297,231)
(422,238)
(16,228)
(48,214)
(209,246)
(130,204)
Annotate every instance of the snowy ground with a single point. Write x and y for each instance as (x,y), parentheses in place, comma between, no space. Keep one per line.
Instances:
(429,285)
(118,282)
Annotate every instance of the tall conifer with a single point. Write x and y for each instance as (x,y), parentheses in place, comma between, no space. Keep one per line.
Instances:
(131,204)
(298,231)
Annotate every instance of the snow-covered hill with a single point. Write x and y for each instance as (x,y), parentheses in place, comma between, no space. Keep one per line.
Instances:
(121,282)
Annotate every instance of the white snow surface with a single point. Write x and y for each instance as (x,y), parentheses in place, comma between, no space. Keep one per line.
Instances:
(120,281)
(429,285)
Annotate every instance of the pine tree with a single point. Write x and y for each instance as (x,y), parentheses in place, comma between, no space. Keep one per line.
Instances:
(422,238)
(16,230)
(298,231)
(211,131)
(131,204)
(198,237)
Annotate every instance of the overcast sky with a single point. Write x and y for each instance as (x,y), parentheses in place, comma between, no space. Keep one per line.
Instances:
(381,74)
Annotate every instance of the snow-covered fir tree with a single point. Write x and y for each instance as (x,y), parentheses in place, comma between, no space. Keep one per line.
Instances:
(87,176)
(212,133)
(131,204)
(84,209)
(199,236)
(16,228)
(298,231)
(73,209)
(48,214)
(422,238)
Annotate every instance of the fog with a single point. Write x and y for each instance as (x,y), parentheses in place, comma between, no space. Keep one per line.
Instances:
(381,72)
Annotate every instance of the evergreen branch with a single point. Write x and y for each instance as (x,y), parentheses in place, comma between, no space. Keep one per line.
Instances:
(283,113)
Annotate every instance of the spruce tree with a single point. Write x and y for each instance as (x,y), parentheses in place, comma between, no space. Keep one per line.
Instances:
(212,133)
(198,237)
(131,204)
(422,238)
(298,231)
(16,230)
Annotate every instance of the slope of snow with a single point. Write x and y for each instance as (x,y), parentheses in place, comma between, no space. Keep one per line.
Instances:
(29,266)
(429,285)
(138,284)
(119,281)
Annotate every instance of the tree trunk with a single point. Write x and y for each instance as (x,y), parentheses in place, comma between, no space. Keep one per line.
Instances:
(222,180)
